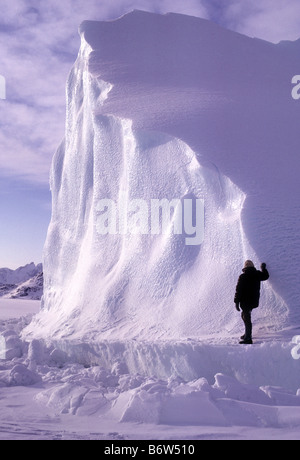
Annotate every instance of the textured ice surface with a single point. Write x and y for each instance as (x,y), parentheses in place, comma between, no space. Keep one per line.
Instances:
(173,107)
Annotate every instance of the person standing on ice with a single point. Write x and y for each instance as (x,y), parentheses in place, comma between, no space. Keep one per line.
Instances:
(247,295)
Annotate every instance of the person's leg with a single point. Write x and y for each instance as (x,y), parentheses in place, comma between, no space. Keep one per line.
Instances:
(246,317)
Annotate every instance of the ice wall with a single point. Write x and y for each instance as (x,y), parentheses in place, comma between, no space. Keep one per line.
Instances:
(149,116)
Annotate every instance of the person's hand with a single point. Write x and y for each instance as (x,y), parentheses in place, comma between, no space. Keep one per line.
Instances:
(263,266)
(237,306)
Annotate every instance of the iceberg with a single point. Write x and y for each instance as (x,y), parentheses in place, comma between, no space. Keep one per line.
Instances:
(171,107)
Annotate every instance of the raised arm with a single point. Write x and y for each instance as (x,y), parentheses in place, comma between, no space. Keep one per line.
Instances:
(264,274)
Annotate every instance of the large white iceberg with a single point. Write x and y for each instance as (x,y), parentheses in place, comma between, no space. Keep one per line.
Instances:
(172,108)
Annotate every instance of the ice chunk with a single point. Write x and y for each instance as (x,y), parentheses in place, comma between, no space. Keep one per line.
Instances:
(233,389)
(10,345)
(19,375)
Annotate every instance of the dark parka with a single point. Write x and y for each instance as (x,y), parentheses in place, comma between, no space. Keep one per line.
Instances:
(248,287)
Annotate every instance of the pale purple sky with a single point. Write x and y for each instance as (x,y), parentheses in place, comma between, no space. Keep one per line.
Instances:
(38,45)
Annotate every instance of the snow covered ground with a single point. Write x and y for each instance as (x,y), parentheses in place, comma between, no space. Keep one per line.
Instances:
(31,289)
(25,282)
(233,394)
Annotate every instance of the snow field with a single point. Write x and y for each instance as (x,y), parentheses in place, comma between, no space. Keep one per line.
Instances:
(168,384)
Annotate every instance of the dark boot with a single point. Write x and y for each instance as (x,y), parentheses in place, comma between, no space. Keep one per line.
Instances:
(246,342)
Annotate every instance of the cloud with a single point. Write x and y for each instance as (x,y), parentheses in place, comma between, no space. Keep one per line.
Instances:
(28,138)
(266,19)
(39,42)
(189,7)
